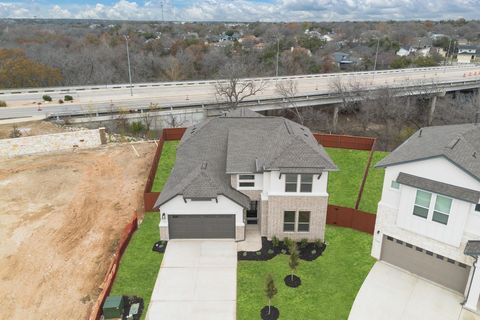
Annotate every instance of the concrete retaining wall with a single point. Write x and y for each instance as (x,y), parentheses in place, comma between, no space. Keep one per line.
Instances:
(52,142)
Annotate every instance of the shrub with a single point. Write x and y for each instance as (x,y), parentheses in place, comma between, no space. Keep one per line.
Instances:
(3,104)
(68,98)
(15,133)
(137,126)
(244,253)
(284,251)
(275,242)
(60,101)
(270,251)
(318,243)
(314,251)
(46,97)
(288,242)
(258,253)
(303,243)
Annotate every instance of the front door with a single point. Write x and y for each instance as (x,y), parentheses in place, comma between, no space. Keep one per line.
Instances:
(252,216)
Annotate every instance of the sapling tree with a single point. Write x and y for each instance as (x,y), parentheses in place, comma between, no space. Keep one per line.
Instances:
(294,260)
(270,290)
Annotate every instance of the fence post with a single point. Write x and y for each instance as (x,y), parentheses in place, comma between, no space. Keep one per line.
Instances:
(365,175)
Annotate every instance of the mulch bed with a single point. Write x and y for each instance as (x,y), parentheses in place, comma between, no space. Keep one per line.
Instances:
(292,282)
(309,251)
(160,246)
(274,313)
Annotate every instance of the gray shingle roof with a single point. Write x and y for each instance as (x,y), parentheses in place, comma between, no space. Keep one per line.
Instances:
(446,189)
(240,142)
(458,143)
(472,248)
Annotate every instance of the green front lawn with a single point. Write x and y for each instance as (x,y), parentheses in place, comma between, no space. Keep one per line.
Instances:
(139,264)
(165,164)
(329,284)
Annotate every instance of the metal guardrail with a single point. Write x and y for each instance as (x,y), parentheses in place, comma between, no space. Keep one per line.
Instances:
(202,82)
(311,99)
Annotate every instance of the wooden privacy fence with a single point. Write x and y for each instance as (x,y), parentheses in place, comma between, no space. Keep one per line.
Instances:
(345,141)
(351,218)
(150,197)
(107,283)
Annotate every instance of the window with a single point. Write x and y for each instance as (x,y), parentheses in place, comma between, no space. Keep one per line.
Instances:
(289,221)
(422,204)
(303,221)
(395,185)
(246,180)
(290,183)
(477,207)
(442,209)
(306,181)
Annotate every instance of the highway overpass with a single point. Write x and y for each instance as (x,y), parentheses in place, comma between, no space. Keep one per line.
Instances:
(313,89)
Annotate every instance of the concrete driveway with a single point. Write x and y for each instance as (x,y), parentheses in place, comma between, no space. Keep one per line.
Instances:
(391,293)
(197,280)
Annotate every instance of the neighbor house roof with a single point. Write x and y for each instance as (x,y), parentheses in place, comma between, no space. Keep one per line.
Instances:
(242,141)
(446,189)
(458,143)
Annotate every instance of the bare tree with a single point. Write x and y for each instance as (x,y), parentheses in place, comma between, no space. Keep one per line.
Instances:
(289,90)
(234,90)
(175,120)
(350,94)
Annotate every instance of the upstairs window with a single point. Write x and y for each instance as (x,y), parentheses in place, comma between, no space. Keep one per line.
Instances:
(306,181)
(246,181)
(477,207)
(422,204)
(291,183)
(442,209)
(395,185)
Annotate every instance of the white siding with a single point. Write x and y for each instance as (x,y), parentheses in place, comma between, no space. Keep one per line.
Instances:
(395,211)
(224,206)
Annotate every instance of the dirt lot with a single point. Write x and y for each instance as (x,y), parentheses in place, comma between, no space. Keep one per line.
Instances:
(31,128)
(60,220)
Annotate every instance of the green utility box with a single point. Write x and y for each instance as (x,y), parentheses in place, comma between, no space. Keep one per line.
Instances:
(113,307)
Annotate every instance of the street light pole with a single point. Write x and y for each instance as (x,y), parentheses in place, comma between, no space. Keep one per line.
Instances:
(376,55)
(129,69)
(278,54)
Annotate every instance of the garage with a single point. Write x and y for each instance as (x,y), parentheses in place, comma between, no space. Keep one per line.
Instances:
(447,272)
(205,226)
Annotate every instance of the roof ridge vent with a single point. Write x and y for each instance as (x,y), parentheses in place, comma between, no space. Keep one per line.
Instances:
(420,133)
(204,165)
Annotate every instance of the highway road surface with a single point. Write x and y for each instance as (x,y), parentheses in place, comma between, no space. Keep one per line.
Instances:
(25,102)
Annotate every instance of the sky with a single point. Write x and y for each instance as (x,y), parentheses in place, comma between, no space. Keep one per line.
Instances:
(243,10)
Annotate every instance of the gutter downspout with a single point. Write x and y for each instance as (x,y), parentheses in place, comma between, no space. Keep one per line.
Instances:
(473,275)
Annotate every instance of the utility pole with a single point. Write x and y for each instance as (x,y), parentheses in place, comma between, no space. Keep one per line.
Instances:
(278,55)
(129,69)
(161,5)
(448,51)
(376,55)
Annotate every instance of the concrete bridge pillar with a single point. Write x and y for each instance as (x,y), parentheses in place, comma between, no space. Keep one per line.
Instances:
(431,112)
(335,118)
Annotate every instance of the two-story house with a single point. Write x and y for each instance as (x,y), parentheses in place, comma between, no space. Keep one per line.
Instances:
(245,168)
(429,211)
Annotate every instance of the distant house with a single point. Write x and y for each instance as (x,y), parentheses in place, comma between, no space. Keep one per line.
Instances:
(403,52)
(343,60)
(301,50)
(468,54)
(260,46)
(245,168)
(428,218)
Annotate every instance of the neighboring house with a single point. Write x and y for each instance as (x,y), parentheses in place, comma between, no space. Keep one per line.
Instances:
(402,52)
(468,54)
(301,51)
(244,168)
(430,211)
(343,60)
